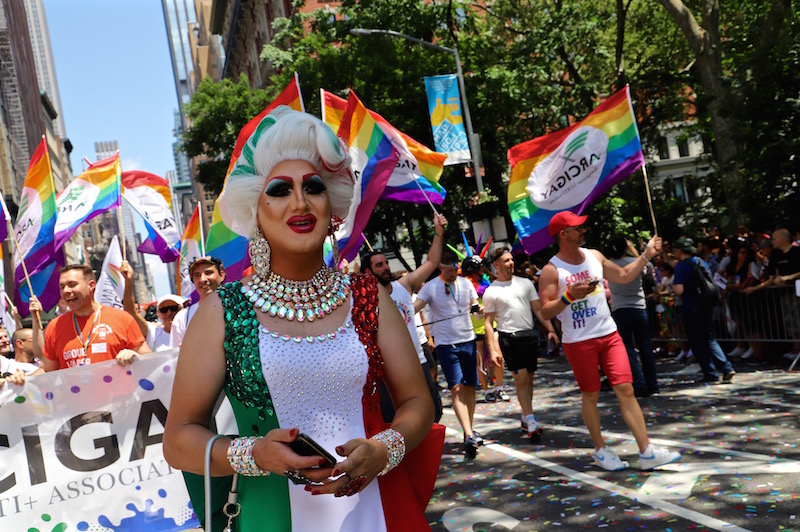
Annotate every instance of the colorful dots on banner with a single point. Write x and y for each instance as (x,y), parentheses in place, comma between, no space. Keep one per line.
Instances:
(60,527)
(48,396)
(167,369)
(19,399)
(107,378)
(147,385)
(75,389)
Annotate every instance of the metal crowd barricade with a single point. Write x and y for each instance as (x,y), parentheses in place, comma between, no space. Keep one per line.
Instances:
(768,315)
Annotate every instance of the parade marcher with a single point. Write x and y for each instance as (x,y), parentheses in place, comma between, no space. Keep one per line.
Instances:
(89,332)
(629,310)
(401,290)
(309,365)
(697,320)
(6,349)
(156,335)
(513,301)
(570,288)
(473,269)
(207,274)
(22,339)
(451,298)
(16,371)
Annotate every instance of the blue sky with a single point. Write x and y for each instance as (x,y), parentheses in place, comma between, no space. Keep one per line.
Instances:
(116,82)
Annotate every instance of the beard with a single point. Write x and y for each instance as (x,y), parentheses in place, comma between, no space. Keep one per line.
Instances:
(386,278)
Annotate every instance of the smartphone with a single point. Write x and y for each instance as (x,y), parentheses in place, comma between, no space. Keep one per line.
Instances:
(593,283)
(304,445)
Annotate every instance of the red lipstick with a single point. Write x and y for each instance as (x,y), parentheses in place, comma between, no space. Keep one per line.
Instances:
(302,224)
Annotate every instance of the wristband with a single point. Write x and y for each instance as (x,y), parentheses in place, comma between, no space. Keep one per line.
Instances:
(437,234)
(566,299)
(240,456)
(395,448)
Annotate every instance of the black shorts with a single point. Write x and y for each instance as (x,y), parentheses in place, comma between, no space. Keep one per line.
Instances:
(520,350)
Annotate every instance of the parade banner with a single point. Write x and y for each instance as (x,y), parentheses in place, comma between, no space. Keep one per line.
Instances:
(36,218)
(447,122)
(191,248)
(374,159)
(81,450)
(415,179)
(570,168)
(110,288)
(93,192)
(229,244)
(149,195)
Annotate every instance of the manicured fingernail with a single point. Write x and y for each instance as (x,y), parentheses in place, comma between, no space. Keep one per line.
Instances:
(340,450)
(315,492)
(335,472)
(321,461)
(308,488)
(293,433)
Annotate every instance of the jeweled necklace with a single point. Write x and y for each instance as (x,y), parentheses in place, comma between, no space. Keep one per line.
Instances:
(298,300)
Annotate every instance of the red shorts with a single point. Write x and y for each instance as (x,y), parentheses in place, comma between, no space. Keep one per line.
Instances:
(608,352)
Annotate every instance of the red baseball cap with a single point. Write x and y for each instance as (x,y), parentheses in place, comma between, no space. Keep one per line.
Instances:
(563,220)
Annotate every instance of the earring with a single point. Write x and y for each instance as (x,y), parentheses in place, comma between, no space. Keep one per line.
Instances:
(259,252)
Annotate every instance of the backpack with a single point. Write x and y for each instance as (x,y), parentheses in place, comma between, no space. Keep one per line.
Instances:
(706,293)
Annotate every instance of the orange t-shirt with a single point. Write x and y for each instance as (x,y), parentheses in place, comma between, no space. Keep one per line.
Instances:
(113,331)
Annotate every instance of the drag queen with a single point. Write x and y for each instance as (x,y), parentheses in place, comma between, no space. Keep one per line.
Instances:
(300,348)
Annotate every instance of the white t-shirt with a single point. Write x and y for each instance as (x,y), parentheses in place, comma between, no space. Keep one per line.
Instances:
(452,306)
(179,325)
(9,365)
(405,304)
(157,338)
(511,302)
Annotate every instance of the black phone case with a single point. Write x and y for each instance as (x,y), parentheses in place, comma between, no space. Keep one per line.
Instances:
(304,445)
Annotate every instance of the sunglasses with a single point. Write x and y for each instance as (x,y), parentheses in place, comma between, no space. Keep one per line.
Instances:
(171,308)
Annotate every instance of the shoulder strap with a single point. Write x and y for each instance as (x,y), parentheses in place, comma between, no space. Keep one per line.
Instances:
(364,288)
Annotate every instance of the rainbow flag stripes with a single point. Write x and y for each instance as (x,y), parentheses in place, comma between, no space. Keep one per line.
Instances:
(191,248)
(418,169)
(570,168)
(93,192)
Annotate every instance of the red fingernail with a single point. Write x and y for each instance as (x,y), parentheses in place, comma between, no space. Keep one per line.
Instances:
(308,488)
(321,461)
(335,472)
(293,433)
(340,450)
(315,492)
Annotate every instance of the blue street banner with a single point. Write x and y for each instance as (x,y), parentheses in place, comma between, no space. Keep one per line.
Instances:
(447,120)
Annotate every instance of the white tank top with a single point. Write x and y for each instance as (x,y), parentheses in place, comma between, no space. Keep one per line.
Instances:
(589,317)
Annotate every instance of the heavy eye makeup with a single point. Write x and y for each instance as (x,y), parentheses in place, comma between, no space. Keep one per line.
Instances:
(282,187)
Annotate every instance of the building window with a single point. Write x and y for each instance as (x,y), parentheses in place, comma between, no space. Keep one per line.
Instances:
(683,148)
(663,148)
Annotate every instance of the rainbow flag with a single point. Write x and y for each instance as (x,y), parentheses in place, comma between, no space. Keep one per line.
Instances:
(149,195)
(374,159)
(570,168)
(418,170)
(36,218)
(93,192)
(45,286)
(191,248)
(229,244)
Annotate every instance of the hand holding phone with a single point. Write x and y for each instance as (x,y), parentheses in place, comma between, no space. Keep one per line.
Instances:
(593,283)
(304,445)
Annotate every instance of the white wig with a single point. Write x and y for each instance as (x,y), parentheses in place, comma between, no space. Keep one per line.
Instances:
(283,135)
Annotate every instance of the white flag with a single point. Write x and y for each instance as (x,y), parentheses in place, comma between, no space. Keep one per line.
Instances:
(110,287)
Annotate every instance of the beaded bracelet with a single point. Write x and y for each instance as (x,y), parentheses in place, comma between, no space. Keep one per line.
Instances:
(240,456)
(566,299)
(395,448)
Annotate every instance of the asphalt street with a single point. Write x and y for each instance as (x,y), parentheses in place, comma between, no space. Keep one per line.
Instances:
(740,468)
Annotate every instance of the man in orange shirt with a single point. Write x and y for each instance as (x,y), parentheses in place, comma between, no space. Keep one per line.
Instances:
(89,332)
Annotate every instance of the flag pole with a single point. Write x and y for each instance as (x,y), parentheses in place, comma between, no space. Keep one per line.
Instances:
(25,271)
(119,210)
(202,234)
(426,197)
(369,247)
(649,199)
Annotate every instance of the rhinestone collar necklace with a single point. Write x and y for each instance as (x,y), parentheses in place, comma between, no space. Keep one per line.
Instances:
(298,300)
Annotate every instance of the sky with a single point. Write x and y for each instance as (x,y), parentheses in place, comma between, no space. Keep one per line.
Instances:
(116,83)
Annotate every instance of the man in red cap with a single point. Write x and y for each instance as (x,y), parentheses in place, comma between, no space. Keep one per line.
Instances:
(571,288)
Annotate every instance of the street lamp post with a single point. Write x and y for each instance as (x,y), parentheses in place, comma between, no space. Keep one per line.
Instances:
(472,138)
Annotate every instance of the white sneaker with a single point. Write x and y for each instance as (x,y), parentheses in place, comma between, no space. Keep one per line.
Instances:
(502,395)
(656,456)
(608,460)
(534,430)
(750,353)
(736,352)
